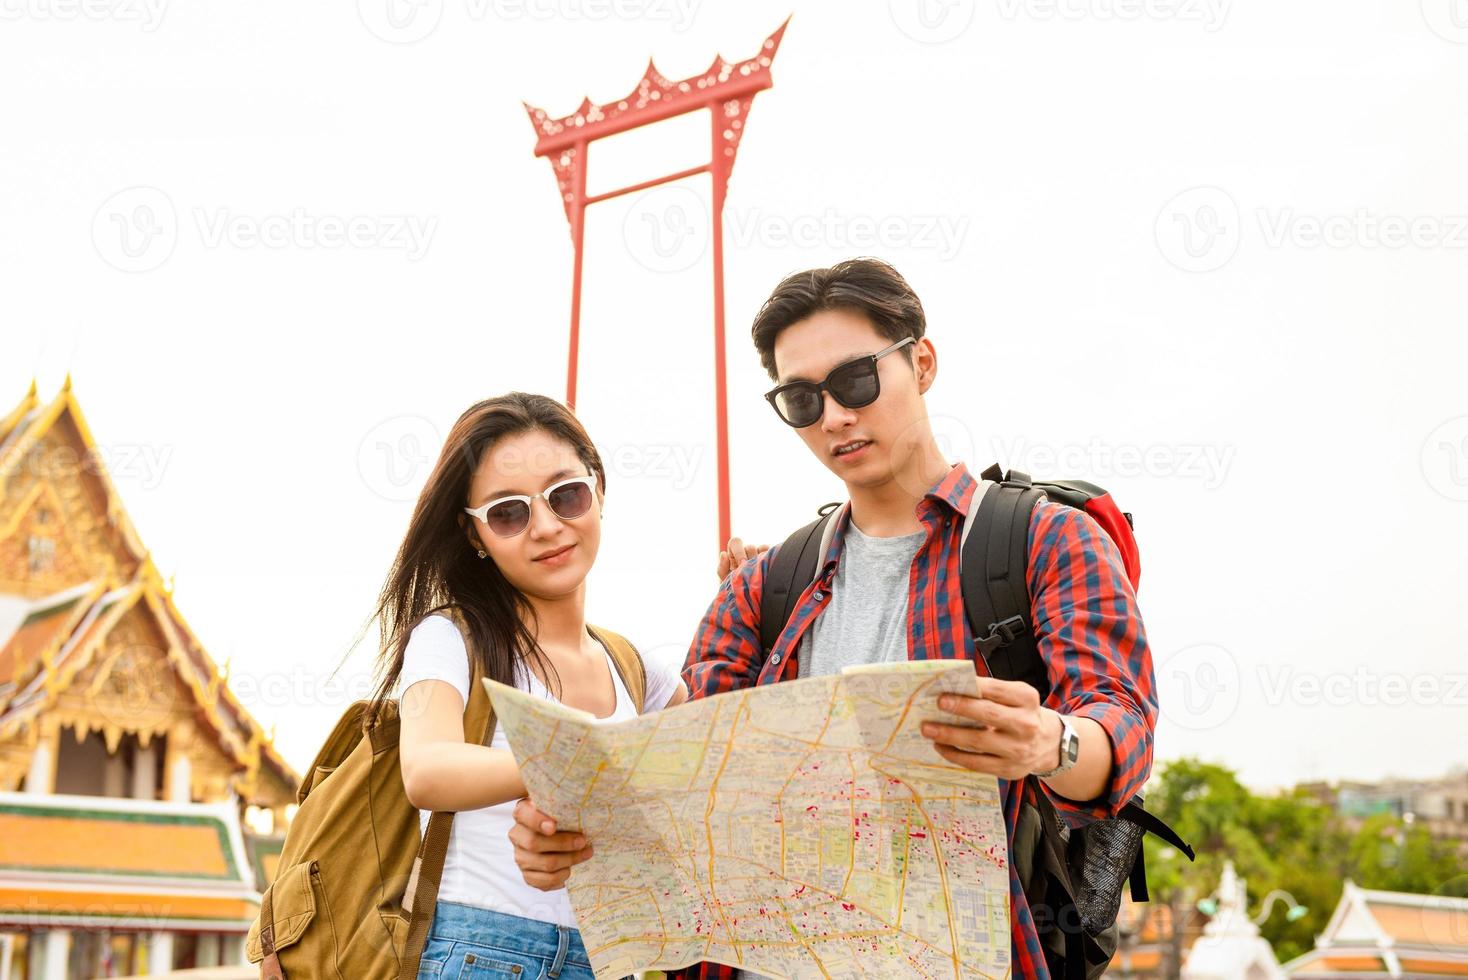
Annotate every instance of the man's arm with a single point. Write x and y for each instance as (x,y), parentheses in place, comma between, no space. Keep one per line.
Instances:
(726,653)
(1091,638)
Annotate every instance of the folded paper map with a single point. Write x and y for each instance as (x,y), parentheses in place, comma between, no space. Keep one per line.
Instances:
(803,829)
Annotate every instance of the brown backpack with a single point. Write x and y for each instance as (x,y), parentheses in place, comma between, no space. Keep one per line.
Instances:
(356,885)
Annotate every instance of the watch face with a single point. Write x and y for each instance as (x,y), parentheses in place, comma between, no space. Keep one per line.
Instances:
(1072,748)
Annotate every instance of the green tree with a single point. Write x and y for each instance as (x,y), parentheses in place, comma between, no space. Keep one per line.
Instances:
(1210,809)
(1289,842)
(1389,853)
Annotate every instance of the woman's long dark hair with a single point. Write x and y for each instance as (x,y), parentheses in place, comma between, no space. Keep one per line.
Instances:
(437,568)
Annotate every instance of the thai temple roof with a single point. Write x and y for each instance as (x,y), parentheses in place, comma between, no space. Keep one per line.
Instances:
(1389,934)
(82,602)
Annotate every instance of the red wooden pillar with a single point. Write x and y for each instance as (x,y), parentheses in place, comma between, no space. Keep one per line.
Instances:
(721,166)
(577,215)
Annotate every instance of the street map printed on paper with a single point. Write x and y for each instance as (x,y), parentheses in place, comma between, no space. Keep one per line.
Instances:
(803,829)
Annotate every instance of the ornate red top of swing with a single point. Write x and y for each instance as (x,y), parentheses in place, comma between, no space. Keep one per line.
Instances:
(656,97)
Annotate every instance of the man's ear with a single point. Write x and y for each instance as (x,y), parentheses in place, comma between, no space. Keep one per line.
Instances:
(925,364)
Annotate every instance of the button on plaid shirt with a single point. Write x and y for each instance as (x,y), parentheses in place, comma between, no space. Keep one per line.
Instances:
(1084,616)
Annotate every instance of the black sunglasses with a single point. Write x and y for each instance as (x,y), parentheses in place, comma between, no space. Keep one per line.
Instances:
(854,384)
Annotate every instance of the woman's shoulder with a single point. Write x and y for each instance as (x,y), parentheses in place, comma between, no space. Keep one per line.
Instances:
(436,651)
(660,675)
(439,626)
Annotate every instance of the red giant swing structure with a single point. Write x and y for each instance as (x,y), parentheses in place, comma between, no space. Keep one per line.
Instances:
(727,91)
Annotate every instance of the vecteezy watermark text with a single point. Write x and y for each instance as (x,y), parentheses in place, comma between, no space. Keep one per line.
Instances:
(1201,229)
(147,14)
(138,228)
(1209,464)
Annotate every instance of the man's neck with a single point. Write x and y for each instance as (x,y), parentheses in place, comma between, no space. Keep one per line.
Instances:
(889,510)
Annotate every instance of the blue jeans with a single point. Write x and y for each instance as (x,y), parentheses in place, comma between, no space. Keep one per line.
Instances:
(467,943)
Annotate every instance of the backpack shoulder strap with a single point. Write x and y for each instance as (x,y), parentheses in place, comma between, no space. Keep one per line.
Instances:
(994,559)
(421,895)
(478,715)
(628,662)
(791,570)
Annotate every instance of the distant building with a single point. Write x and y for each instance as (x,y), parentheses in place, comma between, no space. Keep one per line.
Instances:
(1440,805)
(1388,934)
(1148,942)
(125,762)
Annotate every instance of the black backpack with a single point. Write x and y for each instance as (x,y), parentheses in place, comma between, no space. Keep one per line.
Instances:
(1072,878)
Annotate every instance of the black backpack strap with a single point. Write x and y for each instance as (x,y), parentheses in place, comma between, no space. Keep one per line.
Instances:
(792,569)
(1151,824)
(993,571)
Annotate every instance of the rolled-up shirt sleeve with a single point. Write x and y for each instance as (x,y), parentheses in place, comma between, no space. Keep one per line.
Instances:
(1094,646)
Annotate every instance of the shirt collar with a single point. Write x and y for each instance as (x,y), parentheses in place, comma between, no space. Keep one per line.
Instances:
(955,490)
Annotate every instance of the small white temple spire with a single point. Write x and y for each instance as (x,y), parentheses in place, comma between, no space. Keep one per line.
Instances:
(1231,947)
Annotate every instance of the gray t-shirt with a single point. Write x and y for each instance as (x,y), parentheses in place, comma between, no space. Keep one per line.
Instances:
(865,621)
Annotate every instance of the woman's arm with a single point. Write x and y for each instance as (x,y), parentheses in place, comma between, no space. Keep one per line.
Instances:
(440,770)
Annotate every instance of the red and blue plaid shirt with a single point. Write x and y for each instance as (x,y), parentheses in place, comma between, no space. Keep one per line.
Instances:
(1084,615)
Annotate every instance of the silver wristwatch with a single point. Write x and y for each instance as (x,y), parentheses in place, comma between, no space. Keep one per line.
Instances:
(1070,749)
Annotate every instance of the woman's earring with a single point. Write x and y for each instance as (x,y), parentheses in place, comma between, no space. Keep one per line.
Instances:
(483,553)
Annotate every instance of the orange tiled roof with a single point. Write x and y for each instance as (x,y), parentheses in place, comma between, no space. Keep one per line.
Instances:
(45,625)
(1320,963)
(1443,928)
(140,909)
(1434,967)
(1155,919)
(101,841)
(1351,964)
(115,863)
(1142,959)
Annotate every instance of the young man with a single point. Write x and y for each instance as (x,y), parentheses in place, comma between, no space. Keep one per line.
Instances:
(888,587)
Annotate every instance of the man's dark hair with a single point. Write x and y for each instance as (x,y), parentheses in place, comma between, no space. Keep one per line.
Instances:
(868,286)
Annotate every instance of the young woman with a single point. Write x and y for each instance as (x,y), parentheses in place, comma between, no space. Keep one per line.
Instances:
(503,535)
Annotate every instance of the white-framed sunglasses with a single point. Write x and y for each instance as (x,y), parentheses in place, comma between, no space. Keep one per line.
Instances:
(508,516)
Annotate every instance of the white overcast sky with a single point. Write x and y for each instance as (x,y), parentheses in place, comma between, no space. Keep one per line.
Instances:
(1209,254)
